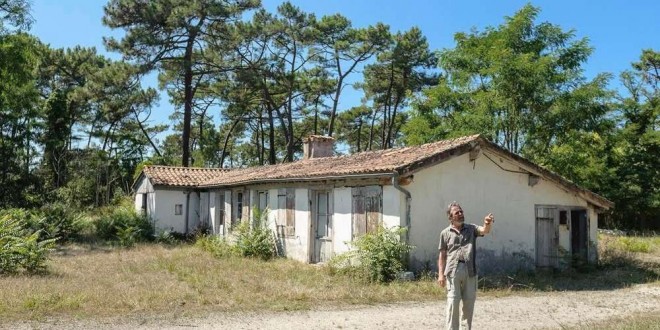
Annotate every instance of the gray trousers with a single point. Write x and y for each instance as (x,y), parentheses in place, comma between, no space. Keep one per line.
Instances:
(461,286)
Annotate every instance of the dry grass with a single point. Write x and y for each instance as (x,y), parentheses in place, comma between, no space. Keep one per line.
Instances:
(184,280)
(92,282)
(633,322)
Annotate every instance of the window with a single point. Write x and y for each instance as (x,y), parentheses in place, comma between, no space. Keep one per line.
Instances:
(286,206)
(239,208)
(178,209)
(367,209)
(263,200)
(563,218)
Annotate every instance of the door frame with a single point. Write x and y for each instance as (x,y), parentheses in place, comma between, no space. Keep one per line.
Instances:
(313,211)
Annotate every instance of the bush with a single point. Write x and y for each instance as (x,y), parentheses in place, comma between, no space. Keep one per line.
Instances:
(52,221)
(217,246)
(125,225)
(20,248)
(377,257)
(256,239)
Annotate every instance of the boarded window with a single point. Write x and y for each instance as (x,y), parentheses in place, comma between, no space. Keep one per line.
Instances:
(286,206)
(367,209)
(263,200)
(178,209)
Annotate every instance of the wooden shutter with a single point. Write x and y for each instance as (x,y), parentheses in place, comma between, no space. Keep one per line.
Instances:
(290,212)
(286,210)
(367,209)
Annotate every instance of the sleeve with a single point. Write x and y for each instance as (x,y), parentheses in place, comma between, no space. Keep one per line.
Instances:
(476,231)
(443,242)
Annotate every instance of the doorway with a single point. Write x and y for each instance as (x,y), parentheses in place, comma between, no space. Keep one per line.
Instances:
(321,226)
(579,235)
(546,237)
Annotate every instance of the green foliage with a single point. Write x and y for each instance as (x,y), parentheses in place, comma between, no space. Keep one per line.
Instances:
(20,248)
(217,246)
(125,225)
(255,239)
(377,257)
(519,84)
(53,221)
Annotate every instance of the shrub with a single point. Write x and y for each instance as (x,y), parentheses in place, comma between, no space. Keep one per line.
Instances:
(60,223)
(20,248)
(633,244)
(217,246)
(124,224)
(377,257)
(256,239)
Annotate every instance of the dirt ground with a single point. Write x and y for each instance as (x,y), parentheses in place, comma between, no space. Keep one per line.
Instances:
(527,311)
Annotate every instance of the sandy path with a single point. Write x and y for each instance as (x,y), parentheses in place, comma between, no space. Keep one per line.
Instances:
(540,310)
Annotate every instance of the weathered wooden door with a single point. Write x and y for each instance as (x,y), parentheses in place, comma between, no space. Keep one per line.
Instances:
(546,237)
(322,225)
(579,235)
(367,209)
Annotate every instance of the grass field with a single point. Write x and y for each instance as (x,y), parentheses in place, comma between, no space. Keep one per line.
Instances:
(88,281)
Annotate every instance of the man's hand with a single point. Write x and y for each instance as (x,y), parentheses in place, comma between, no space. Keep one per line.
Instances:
(442,280)
(489,219)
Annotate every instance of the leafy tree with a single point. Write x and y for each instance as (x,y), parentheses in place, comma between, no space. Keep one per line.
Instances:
(521,84)
(18,110)
(633,157)
(171,35)
(341,48)
(397,74)
(16,13)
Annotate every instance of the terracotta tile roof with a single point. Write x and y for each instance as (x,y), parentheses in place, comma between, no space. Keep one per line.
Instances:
(364,163)
(180,176)
(379,163)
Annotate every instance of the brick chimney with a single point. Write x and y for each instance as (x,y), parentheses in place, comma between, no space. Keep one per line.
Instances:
(316,146)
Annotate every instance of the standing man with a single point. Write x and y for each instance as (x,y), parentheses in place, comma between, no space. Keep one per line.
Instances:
(457,268)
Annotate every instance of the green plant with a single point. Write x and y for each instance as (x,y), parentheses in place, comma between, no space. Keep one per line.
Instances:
(217,246)
(127,236)
(20,248)
(376,257)
(633,244)
(126,222)
(255,239)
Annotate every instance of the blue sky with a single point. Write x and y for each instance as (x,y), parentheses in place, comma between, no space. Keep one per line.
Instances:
(618,30)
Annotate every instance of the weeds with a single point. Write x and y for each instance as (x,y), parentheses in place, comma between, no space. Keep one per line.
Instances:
(256,239)
(378,257)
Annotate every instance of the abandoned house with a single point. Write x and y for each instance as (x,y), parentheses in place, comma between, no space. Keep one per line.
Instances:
(319,204)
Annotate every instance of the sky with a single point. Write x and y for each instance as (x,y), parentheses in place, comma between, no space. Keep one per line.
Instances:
(617,29)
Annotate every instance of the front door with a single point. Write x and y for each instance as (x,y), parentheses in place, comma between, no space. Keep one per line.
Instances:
(322,225)
(219,217)
(579,235)
(546,237)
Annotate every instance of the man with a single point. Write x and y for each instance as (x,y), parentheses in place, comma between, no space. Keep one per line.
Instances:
(456,264)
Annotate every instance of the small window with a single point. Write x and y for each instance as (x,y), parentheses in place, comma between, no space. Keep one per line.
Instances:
(563,218)
(178,209)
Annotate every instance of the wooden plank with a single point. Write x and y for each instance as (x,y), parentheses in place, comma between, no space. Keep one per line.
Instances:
(358,213)
(290,212)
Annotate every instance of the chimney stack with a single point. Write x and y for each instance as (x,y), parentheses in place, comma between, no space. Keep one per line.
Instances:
(316,146)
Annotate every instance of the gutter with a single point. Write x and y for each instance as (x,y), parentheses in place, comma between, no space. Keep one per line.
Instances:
(395,183)
(187,192)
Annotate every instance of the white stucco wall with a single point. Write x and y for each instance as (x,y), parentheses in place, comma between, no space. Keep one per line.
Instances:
(394,209)
(480,188)
(342,219)
(164,216)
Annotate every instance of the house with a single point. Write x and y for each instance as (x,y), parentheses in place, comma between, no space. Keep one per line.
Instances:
(319,204)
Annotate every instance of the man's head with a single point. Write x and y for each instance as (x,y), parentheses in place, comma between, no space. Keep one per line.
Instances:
(455,213)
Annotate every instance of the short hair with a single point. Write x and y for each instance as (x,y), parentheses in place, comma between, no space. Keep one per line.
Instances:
(452,204)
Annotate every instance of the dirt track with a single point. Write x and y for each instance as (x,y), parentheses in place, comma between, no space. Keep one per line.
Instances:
(534,311)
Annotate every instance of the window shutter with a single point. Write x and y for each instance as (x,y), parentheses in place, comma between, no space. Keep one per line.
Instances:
(367,209)
(290,212)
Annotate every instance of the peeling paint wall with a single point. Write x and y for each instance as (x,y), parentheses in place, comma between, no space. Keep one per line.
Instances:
(481,187)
